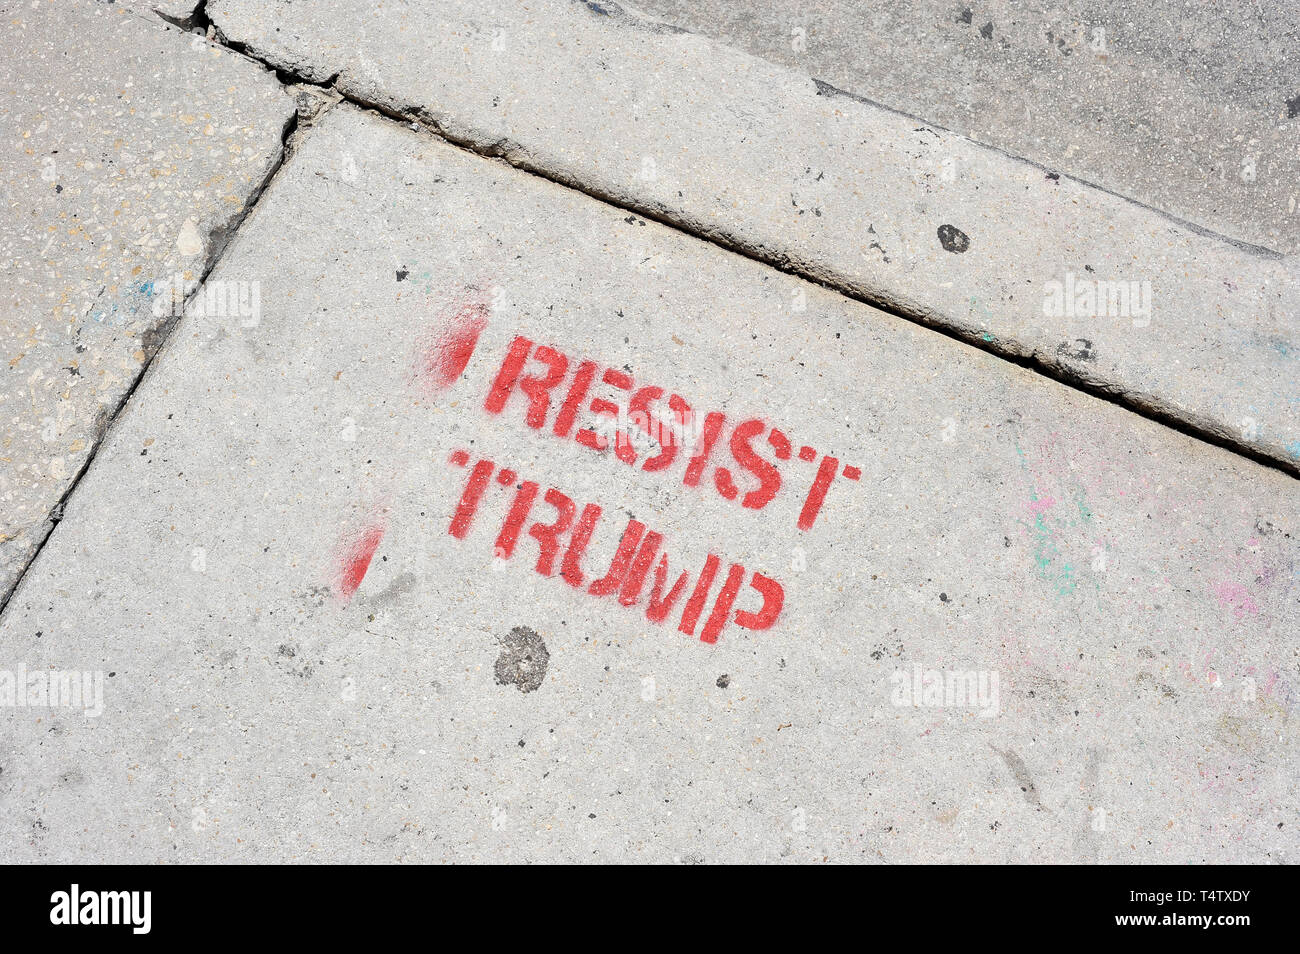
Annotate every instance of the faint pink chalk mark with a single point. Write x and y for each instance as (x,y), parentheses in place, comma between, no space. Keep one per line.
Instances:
(1235,597)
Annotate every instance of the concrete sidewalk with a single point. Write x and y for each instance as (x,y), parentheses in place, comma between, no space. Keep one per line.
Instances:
(502,497)
(364,587)
(133,152)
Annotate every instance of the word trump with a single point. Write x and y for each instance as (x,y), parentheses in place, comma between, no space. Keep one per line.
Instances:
(630,419)
(562,544)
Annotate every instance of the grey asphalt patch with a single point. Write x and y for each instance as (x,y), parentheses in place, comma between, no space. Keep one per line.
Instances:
(122,179)
(1178,322)
(1185,107)
(1023,624)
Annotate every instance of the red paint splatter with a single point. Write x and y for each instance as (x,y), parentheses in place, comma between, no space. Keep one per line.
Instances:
(441,356)
(357,553)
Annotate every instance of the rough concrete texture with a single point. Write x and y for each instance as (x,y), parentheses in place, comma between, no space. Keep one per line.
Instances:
(1005,253)
(302,662)
(180,12)
(1192,108)
(131,150)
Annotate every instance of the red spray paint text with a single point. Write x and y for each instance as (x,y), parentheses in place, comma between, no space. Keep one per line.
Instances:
(562,544)
(537,372)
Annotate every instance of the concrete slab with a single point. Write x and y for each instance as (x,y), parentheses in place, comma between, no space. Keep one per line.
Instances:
(1191,108)
(315,568)
(132,150)
(1012,256)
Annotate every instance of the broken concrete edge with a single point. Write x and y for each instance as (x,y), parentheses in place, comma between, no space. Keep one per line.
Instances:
(217,232)
(186,14)
(1178,416)
(312,100)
